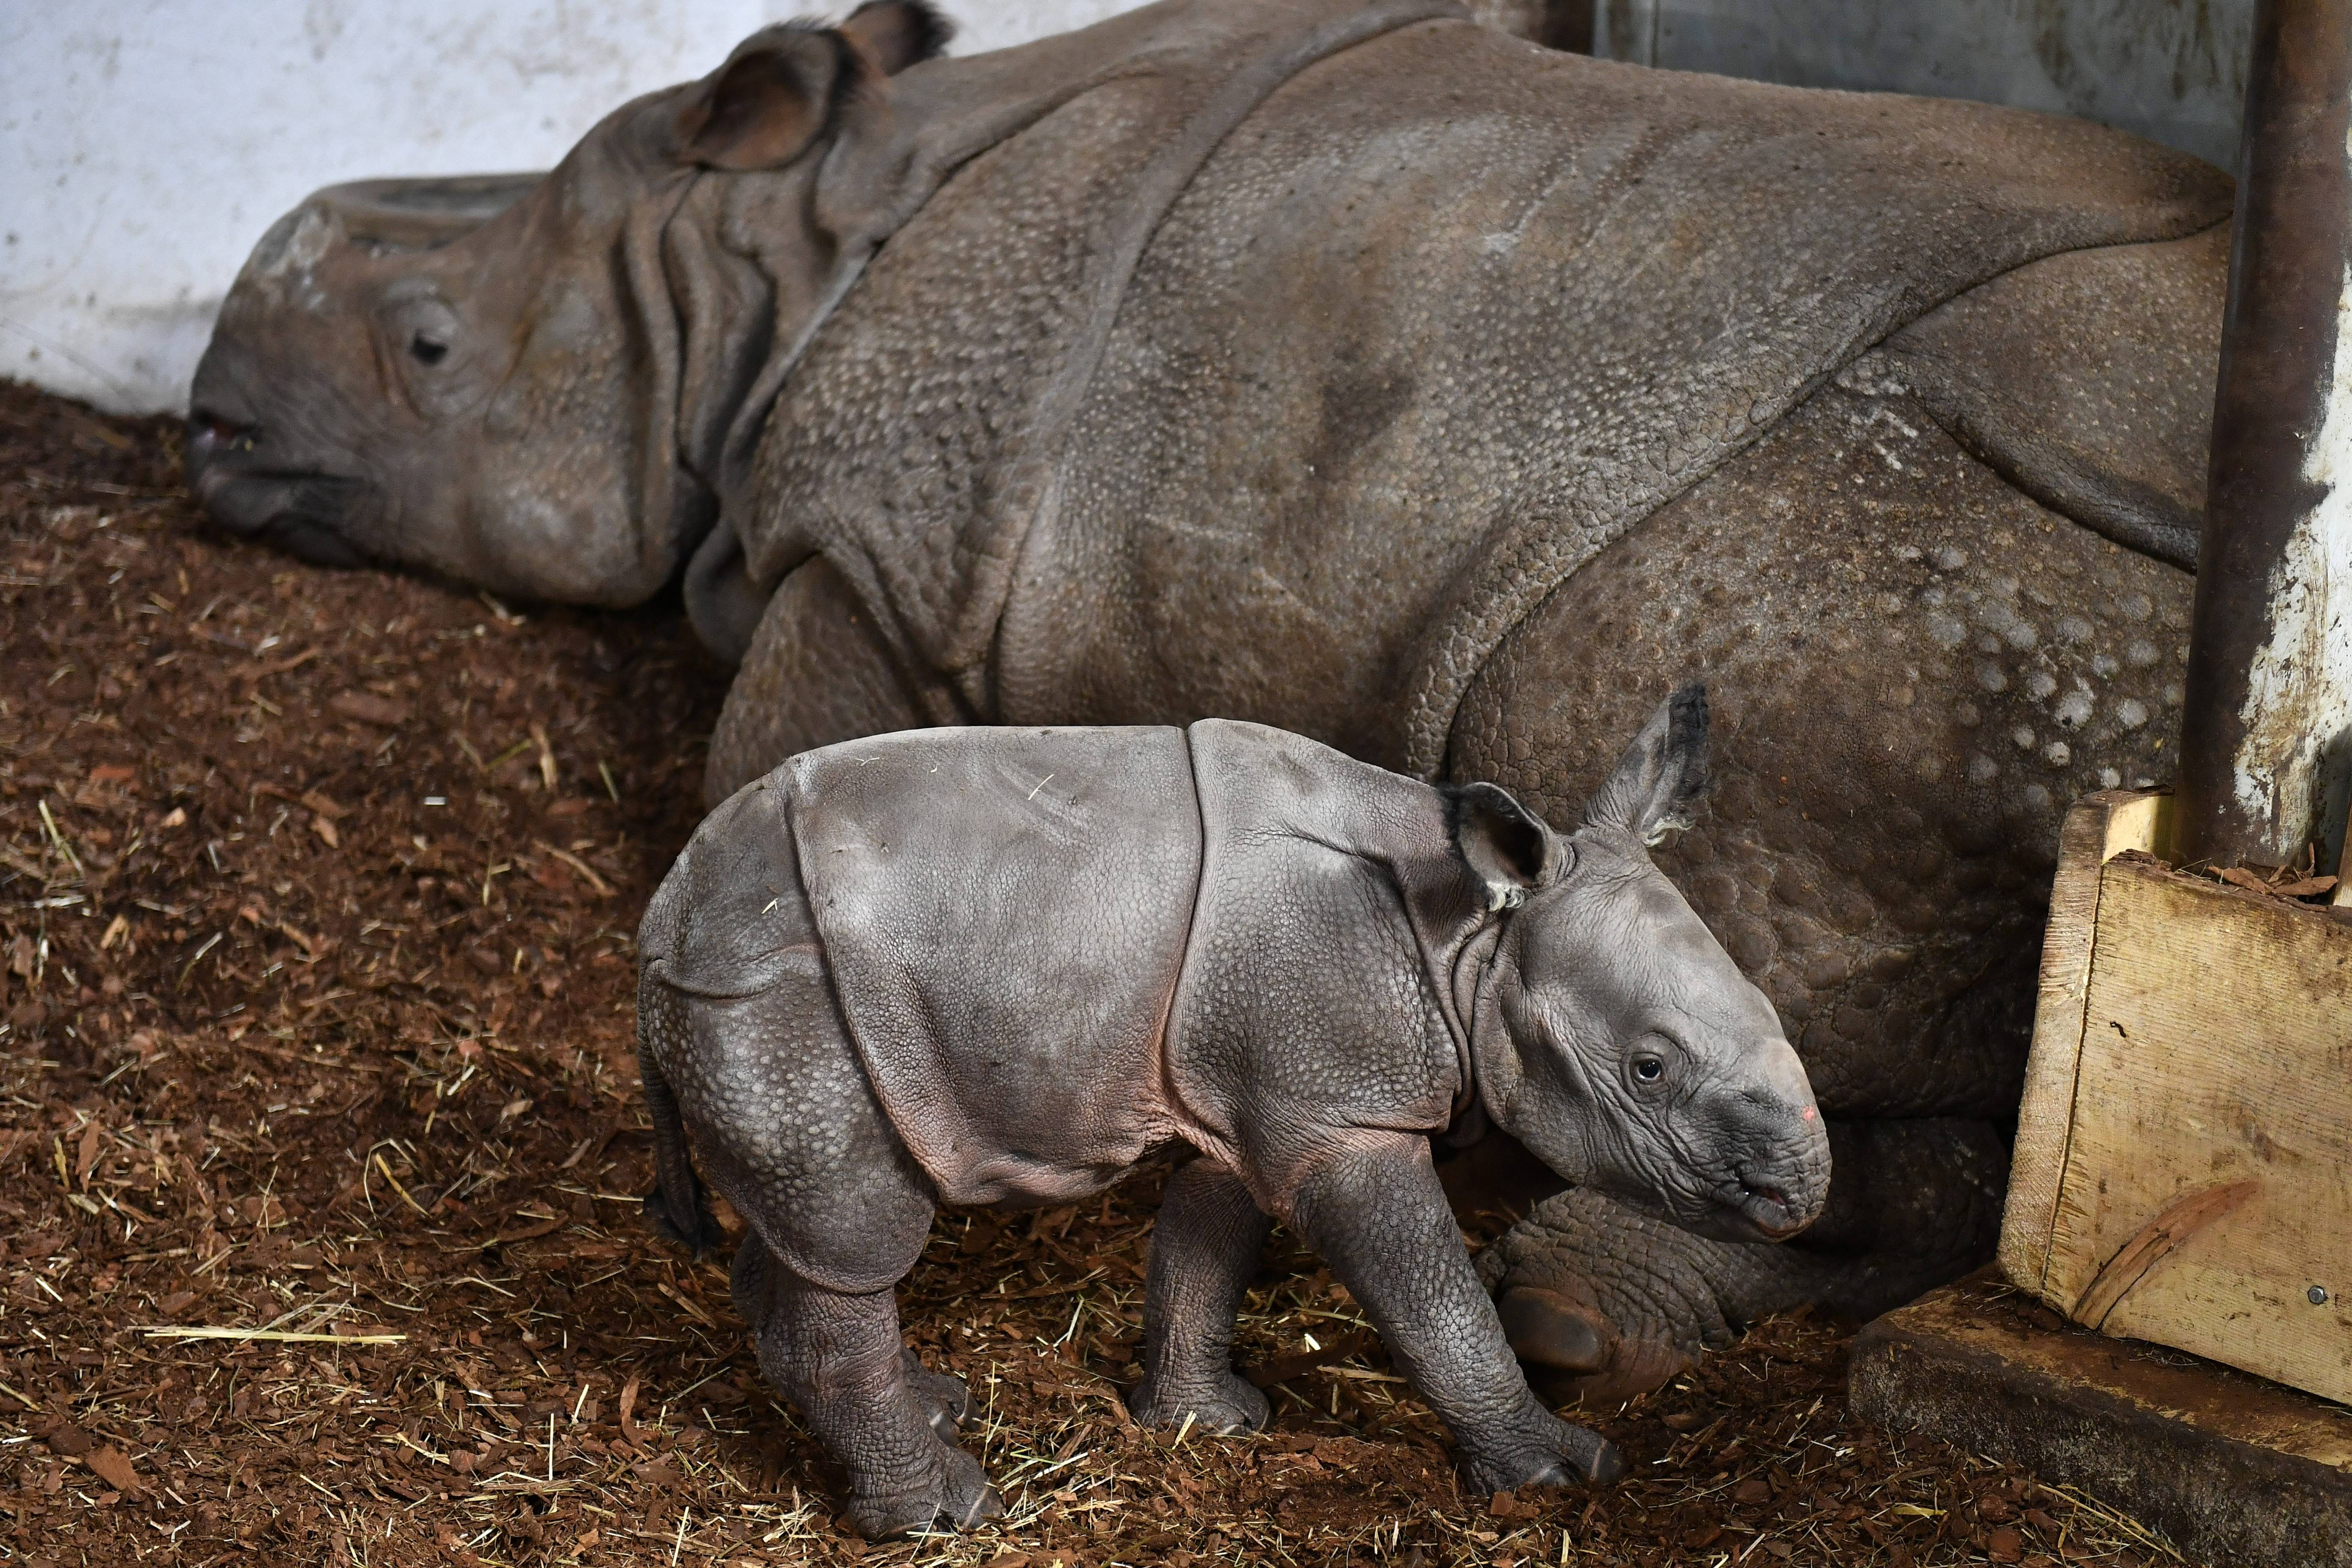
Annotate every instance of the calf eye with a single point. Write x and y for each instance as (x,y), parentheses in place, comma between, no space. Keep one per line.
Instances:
(1649,1068)
(427,351)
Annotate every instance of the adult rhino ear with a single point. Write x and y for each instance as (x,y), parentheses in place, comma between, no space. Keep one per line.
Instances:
(1661,774)
(1507,846)
(896,33)
(774,96)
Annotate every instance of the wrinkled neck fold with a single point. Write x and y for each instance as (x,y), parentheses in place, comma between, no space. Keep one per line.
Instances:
(1468,1005)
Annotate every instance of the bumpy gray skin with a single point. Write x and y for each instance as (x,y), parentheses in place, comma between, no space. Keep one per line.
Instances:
(1917,667)
(1457,392)
(848,1022)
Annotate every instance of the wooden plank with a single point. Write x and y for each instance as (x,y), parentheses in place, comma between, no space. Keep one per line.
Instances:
(2209,1149)
(2233,1469)
(2098,827)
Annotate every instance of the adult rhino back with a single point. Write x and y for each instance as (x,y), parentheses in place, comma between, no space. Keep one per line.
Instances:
(1438,321)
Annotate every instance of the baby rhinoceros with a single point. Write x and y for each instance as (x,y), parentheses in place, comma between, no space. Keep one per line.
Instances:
(1006,966)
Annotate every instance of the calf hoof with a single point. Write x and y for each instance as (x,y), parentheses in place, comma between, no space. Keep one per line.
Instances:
(942,1396)
(1232,1406)
(960,1495)
(1584,1457)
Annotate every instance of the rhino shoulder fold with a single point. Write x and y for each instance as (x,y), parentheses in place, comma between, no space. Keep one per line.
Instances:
(1256,781)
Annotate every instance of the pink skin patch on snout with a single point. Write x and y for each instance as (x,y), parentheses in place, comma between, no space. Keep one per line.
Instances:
(1806,1114)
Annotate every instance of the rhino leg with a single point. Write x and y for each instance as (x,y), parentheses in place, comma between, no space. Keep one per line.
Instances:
(818,671)
(1376,1213)
(1205,1250)
(942,1397)
(785,1123)
(889,1419)
(1603,1301)
(839,1358)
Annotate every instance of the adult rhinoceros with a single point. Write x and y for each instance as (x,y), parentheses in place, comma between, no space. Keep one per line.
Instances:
(1364,373)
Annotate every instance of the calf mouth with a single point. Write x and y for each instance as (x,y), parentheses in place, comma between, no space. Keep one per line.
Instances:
(1765,1208)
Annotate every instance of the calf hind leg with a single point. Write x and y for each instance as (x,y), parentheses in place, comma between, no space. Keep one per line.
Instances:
(945,1402)
(1204,1248)
(838,1357)
(942,1396)
(785,1123)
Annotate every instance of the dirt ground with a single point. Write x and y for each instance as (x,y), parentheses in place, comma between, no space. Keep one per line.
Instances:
(316,900)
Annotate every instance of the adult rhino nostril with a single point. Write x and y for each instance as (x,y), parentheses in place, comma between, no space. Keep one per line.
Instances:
(209,434)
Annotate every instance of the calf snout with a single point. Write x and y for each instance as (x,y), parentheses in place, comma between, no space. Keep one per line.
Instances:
(1775,1158)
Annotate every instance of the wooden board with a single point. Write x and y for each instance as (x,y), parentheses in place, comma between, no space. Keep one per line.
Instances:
(2183,1171)
(2096,829)
(2231,1469)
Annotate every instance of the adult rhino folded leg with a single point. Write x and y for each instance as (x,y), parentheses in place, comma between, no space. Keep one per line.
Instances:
(1602,1302)
(818,670)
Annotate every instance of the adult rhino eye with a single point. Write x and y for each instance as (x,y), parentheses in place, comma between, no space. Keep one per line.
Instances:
(1649,1068)
(427,351)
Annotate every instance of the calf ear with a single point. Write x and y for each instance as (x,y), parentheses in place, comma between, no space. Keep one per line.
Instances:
(1507,846)
(1661,774)
(774,96)
(896,33)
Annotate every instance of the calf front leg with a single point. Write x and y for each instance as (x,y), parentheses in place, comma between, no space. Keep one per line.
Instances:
(1204,1248)
(1376,1213)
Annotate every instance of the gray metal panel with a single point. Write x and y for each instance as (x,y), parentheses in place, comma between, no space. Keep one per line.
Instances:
(2172,70)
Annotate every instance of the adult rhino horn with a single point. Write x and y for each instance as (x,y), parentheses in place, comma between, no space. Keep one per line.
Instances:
(413,214)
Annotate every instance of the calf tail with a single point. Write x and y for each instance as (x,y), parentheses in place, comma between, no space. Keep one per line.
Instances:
(676,1205)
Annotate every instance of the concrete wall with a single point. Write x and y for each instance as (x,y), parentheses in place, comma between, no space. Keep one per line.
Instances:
(146,145)
(2172,70)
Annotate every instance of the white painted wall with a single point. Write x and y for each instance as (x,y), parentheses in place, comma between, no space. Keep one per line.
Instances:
(145,144)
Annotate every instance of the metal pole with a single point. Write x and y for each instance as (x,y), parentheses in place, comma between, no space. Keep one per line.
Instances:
(2266,730)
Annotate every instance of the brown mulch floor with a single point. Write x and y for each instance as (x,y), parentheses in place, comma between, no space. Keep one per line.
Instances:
(316,900)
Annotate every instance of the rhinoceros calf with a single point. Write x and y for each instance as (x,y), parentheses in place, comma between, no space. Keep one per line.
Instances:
(1352,369)
(1007,966)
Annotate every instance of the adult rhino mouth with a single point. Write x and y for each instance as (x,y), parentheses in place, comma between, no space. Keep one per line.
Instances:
(297,510)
